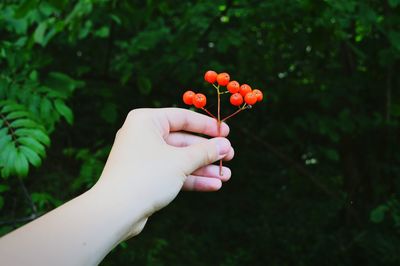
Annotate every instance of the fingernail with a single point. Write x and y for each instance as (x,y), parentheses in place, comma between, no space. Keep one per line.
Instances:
(223,146)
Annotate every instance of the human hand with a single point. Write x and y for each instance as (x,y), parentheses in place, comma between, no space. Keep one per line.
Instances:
(154,157)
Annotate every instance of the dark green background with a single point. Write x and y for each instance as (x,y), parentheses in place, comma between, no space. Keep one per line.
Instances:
(316,172)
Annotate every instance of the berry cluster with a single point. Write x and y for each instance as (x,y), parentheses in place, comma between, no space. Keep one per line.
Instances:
(242,96)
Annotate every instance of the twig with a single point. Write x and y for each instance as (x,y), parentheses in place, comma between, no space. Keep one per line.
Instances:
(208,112)
(9,127)
(28,197)
(20,220)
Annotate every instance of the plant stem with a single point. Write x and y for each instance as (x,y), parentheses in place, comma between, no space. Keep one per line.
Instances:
(208,112)
(9,127)
(219,125)
(235,113)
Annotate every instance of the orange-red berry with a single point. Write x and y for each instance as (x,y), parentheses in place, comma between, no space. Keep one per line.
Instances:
(244,89)
(259,95)
(233,86)
(236,99)
(250,98)
(188,97)
(199,100)
(223,79)
(210,76)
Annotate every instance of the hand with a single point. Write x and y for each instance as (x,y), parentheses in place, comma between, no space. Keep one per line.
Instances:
(153,157)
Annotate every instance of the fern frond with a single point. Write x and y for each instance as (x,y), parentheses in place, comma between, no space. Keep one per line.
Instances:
(23,141)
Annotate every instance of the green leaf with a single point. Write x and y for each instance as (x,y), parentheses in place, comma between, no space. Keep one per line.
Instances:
(102,32)
(45,108)
(378,214)
(116,19)
(5,151)
(9,157)
(21,165)
(4,140)
(64,111)
(35,133)
(63,82)
(33,144)
(32,156)
(27,123)
(11,107)
(17,114)
(25,8)
(38,35)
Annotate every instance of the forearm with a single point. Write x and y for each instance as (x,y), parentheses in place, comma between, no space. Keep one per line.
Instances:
(80,232)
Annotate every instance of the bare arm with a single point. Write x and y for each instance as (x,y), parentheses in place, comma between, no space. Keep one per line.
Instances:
(152,159)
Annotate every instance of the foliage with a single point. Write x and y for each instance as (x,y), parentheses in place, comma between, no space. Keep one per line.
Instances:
(316,184)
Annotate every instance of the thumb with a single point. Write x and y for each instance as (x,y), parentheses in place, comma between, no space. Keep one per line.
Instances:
(204,153)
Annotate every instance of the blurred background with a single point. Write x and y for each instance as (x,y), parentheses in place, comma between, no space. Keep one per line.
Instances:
(316,172)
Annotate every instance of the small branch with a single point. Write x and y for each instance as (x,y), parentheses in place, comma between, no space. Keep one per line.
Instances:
(20,220)
(233,114)
(9,127)
(208,112)
(219,125)
(28,197)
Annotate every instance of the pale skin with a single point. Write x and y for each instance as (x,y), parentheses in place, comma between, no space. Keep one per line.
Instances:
(155,155)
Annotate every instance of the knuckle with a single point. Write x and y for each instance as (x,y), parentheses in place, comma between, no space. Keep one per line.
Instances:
(135,114)
(210,155)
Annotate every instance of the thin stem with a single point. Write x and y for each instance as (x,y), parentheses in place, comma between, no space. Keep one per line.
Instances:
(9,127)
(219,125)
(28,197)
(216,87)
(235,113)
(208,112)
(219,107)
(20,220)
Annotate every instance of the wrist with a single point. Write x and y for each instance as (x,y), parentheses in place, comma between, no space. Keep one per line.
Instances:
(125,209)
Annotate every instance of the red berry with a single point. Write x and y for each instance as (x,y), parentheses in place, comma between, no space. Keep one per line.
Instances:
(188,97)
(250,98)
(223,79)
(210,76)
(244,89)
(199,100)
(259,95)
(233,86)
(236,99)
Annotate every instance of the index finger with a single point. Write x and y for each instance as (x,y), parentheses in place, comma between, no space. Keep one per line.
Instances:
(177,119)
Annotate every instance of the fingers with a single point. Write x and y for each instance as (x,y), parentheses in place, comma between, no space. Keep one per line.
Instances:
(212,171)
(207,178)
(176,119)
(201,183)
(181,139)
(204,153)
